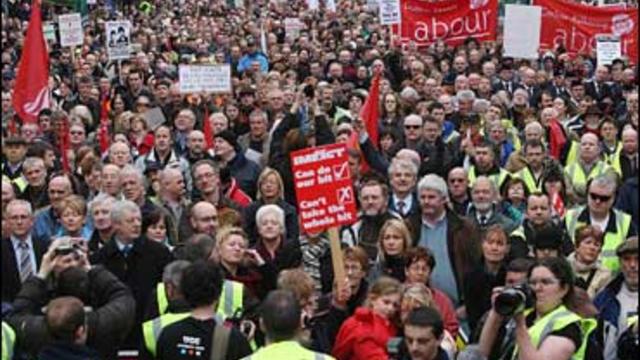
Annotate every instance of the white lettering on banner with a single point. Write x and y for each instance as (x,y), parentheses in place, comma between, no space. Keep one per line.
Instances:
(457,29)
(318,156)
(304,205)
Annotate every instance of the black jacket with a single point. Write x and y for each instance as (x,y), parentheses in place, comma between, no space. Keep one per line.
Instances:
(140,271)
(10,273)
(290,220)
(109,321)
(68,351)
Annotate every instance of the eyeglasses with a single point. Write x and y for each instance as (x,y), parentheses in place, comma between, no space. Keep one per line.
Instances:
(456,180)
(597,197)
(412,127)
(543,282)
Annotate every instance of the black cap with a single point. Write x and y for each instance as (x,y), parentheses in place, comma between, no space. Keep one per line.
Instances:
(152,166)
(559,71)
(230,137)
(15,140)
(593,110)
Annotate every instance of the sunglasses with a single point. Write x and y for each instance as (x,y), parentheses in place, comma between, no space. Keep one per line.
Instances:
(602,198)
(412,127)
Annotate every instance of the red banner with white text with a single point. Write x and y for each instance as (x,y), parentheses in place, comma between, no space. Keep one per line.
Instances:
(576,26)
(425,21)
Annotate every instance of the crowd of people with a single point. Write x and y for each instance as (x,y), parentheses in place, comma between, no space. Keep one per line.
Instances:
(497,204)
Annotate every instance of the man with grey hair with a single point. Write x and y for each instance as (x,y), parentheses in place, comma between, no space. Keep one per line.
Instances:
(483,211)
(196,148)
(403,175)
(453,240)
(255,143)
(21,249)
(135,260)
(412,125)
(616,225)
(35,172)
(168,293)
(465,100)
(120,154)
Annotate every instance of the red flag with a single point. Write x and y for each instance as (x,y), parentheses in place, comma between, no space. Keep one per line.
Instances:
(65,144)
(31,92)
(557,139)
(103,133)
(206,129)
(370,110)
(558,204)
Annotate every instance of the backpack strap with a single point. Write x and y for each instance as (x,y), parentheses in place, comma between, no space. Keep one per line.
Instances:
(220,342)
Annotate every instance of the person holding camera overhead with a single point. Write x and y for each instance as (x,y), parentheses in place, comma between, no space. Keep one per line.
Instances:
(549,330)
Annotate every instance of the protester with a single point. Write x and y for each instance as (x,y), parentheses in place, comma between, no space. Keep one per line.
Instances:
(146,113)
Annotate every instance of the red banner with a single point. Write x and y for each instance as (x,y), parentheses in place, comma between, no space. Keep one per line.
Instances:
(323,187)
(576,26)
(425,21)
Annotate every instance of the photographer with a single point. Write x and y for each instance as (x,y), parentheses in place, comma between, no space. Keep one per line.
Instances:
(65,271)
(549,330)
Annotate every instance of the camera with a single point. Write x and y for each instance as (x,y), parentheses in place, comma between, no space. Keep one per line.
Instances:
(513,300)
(66,247)
(309,92)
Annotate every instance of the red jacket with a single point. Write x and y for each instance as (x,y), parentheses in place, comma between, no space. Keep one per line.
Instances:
(363,336)
(447,311)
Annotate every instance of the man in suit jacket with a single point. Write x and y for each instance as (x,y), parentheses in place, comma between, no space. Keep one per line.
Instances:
(403,175)
(135,260)
(597,88)
(21,251)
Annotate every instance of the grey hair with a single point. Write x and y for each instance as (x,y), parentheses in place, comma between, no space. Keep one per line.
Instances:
(100,199)
(270,209)
(534,124)
(32,161)
(466,95)
(18,202)
(129,169)
(492,184)
(167,172)
(435,183)
(259,113)
(471,352)
(403,164)
(606,180)
(172,273)
(121,208)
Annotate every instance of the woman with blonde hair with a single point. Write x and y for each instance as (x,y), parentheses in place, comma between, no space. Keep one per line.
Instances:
(393,242)
(271,192)
(244,265)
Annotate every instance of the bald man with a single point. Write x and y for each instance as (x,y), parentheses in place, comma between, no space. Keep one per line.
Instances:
(588,166)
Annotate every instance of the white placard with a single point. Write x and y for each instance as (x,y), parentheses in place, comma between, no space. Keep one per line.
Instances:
(522,31)
(608,48)
(92,2)
(118,39)
(49,31)
(292,27)
(313,4)
(70,27)
(239,4)
(373,5)
(389,12)
(331,5)
(208,78)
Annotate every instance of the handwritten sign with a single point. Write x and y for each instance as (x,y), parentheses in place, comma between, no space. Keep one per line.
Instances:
(208,78)
(323,187)
(292,27)
(70,27)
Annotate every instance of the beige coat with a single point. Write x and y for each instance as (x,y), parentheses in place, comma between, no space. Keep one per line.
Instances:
(600,278)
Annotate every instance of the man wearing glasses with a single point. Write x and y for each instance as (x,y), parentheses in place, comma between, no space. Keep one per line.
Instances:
(615,224)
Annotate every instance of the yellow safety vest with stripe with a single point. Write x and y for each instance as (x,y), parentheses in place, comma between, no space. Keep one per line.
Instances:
(530,181)
(576,175)
(556,320)
(498,179)
(230,298)
(614,159)
(611,240)
(286,350)
(572,154)
(8,341)
(151,329)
